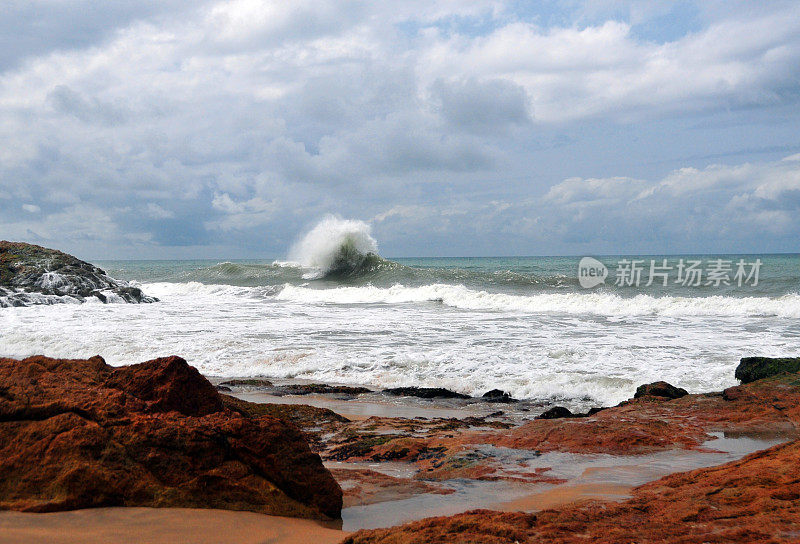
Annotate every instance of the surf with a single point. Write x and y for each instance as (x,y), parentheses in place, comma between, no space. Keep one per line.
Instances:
(337,248)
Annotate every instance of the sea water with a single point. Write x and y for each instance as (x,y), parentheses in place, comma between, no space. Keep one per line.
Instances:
(332,310)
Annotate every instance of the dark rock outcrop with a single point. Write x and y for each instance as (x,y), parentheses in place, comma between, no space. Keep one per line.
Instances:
(425,393)
(320,389)
(247,382)
(31,274)
(751,369)
(81,434)
(556,412)
(660,389)
(497,395)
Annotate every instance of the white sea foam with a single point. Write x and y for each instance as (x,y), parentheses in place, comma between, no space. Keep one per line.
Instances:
(606,304)
(558,346)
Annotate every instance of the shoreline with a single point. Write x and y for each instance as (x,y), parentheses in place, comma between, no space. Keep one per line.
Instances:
(400,460)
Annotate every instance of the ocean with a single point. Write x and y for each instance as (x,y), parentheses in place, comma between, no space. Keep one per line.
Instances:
(336,312)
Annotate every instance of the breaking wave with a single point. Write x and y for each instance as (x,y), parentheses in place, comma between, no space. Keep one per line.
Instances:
(338,248)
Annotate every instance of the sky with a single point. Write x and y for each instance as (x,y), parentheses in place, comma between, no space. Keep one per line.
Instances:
(227,129)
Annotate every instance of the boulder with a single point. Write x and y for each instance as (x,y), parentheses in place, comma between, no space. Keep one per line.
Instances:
(31,274)
(751,369)
(556,412)
(167,385)
(498,395)
(660,389)
(81,434)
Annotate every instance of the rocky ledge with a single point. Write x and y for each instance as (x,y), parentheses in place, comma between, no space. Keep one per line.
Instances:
(80,434)
(755,499)
(31,274)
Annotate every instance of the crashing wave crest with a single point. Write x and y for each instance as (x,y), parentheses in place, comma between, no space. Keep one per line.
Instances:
(337,248)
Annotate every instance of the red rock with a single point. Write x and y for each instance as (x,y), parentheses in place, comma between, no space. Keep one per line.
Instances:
(363,486)
(751,500)
(79,433)
(168,384)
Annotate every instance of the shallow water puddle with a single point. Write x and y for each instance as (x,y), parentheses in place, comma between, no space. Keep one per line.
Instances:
(597,476)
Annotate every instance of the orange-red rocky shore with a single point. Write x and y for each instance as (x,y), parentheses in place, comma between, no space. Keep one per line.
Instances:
(754,499)
(79,434)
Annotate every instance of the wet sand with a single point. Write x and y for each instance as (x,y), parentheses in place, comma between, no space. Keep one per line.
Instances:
(565,494)
(161,526)
(367,406)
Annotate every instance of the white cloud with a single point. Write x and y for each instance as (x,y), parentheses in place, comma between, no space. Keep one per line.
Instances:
(240,214)
(572,73)
(243,113)
(31,208)
(157,212)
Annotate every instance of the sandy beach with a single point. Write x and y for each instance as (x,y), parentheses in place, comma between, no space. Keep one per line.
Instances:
(161,526)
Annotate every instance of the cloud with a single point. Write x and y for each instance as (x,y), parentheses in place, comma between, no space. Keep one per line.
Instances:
(482,105)
(176,124)
(747,207)
(65,100)
(739,205)
(572,73)
(157,212)
(240,214)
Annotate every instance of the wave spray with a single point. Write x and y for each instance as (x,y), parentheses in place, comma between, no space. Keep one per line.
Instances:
(336,246)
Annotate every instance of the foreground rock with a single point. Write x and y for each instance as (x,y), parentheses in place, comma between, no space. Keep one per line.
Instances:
(80,434)
(660,389)
(31,274)
(497,395)
(751,369)
(498,447)
(755,499)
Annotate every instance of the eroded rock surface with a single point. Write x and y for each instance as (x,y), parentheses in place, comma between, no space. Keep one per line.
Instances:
(80,434)
(755,499)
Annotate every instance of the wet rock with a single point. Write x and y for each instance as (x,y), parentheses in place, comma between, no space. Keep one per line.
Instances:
(31,274)
(556,412)
(751,369)
(425,393)
(363,486)
(754,499)
(320,389)
(223,388)
(660,389)
(81,434)
(247,382)
(497,395)
(595,410)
